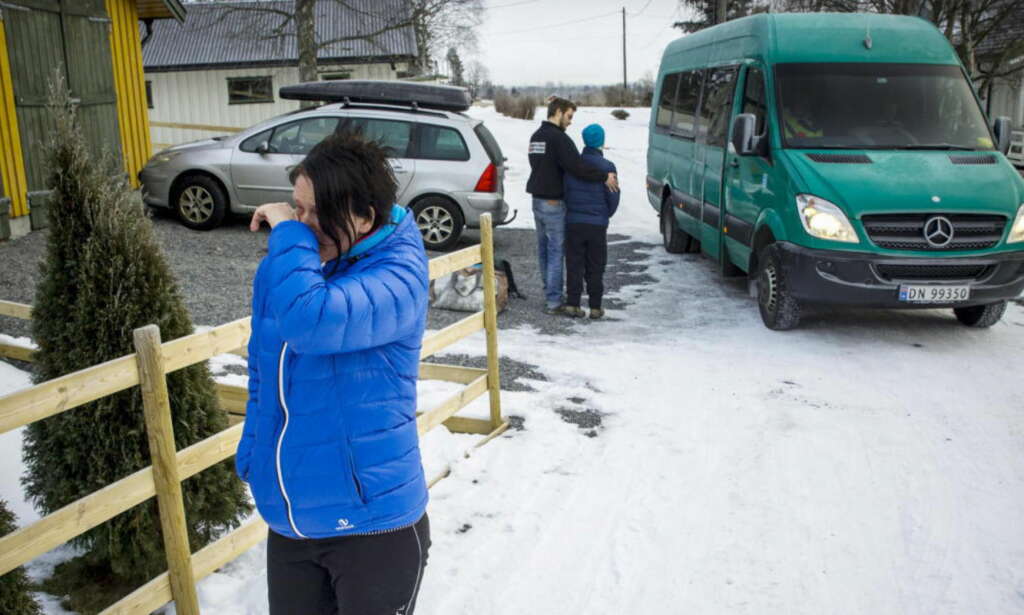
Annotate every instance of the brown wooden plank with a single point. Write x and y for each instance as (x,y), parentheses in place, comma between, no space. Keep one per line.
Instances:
(16,310)
(442,265)
(67,392)
(451,334)
(160,433)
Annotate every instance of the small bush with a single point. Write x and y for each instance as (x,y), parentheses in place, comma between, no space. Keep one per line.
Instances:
(620,114)
(519,107)
(15,595)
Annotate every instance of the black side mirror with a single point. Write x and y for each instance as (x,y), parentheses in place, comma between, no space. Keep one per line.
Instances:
(263,148)
(1002,128)
(744,141)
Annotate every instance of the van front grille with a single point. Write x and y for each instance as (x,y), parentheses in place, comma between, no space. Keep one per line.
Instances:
(924,273)
(906,231)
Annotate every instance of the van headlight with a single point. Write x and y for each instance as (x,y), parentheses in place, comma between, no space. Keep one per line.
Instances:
(824,220)
(1017,230)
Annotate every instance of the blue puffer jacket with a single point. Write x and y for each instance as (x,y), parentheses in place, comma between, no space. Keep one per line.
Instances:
(330,445)
(590,202)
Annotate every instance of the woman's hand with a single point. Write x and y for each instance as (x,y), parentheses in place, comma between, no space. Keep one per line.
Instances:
(272,214)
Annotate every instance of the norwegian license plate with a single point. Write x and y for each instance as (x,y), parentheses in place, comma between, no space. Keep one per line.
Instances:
(934,294)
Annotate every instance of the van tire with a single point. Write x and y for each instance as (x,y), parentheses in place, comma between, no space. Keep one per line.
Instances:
(440,222)
(981,316)
(672,237)
(199,202)
(780,311)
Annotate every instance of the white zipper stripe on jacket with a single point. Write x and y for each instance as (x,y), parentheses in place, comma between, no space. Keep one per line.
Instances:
(280,439)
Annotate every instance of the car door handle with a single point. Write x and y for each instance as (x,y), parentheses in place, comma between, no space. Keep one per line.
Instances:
(734,163)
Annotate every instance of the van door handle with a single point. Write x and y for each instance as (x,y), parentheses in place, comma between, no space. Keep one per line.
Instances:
(734,163)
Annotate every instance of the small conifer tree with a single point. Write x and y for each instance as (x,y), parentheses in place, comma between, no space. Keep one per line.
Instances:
(15,597)
(104,276)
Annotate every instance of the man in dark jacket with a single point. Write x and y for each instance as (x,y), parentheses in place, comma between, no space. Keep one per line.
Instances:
(553,156)
(588,209)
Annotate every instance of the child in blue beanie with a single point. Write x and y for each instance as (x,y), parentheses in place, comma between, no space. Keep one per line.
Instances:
(589,206)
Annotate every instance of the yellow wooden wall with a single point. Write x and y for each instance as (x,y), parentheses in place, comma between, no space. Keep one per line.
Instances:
(12,165)
(132,112)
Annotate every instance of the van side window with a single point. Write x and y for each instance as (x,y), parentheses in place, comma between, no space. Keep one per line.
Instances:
(668,96)
(716,109)
(686,103)
(754,98)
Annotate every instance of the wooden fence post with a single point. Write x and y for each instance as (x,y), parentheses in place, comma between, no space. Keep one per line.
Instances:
(490,319)
(162,449)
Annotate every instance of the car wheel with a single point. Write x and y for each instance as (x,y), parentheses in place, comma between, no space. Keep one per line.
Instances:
(981,316)
(673,238)
(779,310)
(440,222)
(200,202)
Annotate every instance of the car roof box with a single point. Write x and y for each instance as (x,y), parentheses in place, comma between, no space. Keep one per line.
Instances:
(404,93)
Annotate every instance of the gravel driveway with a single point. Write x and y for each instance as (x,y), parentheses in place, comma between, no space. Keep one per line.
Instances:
(216,268)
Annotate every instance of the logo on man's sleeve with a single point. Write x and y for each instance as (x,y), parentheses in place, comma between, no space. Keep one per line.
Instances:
(538,147)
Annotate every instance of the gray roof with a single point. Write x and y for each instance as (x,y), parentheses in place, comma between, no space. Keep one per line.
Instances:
(220,34)
(1006,35)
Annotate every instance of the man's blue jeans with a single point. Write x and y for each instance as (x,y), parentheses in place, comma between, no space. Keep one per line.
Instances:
(549,216)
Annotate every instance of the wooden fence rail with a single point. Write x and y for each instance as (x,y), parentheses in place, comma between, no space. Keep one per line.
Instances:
(148,368)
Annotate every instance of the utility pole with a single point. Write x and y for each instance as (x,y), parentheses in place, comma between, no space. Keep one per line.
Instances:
(625,86)
(720,9)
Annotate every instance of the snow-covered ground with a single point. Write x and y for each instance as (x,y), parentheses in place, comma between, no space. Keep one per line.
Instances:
(869,462)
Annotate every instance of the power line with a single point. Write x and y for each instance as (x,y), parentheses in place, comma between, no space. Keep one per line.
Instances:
(501,6)
(640,12)
(559,25)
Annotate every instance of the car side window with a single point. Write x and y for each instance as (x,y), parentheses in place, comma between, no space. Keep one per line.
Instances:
(440,143)
(251,144)
(394,136)
(300,137)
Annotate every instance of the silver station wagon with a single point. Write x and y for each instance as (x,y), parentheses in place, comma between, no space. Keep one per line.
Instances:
(449,167)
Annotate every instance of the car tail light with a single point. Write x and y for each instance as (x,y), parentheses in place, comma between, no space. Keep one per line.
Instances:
(488,181)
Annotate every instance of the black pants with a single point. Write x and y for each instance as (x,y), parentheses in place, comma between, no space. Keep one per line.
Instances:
(586,254)
(351,575)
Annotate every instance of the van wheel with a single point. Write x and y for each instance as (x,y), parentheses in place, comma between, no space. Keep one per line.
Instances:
(200,202)
(440,222)
(981,316)
(673,238)
(779,310)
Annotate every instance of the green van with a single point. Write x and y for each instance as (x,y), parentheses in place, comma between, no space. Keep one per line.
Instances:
(836,159)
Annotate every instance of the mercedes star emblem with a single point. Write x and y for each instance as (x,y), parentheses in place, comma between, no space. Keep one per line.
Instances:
(938,231)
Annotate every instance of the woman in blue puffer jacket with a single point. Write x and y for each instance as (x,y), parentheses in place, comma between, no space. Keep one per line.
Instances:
(330,446)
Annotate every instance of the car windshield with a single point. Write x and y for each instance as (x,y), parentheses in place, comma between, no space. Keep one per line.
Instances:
(879,106)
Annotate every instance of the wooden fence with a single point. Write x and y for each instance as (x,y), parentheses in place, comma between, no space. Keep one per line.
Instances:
(148,368)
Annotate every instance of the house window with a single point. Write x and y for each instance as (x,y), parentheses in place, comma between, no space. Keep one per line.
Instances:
(149,94)
(335,76)
(247,90)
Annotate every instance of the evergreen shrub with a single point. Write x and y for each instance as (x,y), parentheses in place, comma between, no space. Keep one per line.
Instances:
(102,277)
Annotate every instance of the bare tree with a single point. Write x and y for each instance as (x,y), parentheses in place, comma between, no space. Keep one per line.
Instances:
(441,24)
(968,24)
(476,78)
(297,19)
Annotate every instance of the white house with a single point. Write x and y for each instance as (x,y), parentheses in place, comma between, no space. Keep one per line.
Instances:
(223,66)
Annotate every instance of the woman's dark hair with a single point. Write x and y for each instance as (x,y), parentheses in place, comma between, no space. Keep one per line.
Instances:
(351,177)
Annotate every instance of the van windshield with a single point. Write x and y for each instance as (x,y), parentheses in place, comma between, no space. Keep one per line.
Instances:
(878,106)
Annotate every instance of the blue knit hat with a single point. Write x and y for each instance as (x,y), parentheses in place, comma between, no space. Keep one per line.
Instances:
(593,136)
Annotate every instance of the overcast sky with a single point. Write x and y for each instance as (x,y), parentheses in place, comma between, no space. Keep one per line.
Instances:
(531,42)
